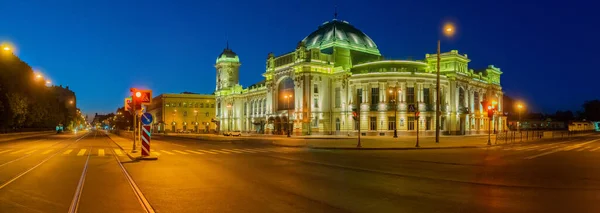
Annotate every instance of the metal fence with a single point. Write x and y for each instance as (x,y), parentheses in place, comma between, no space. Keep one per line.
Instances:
(530,135)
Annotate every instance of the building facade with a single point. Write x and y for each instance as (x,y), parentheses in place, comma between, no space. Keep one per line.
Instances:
(183,112)
(338,68)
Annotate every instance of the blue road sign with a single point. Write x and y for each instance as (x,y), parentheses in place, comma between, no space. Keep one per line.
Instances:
(146,118)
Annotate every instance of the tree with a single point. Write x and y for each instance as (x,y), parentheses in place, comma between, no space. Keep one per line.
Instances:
(591,110)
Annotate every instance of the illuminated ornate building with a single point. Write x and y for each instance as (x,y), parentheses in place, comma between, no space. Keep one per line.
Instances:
(338,67)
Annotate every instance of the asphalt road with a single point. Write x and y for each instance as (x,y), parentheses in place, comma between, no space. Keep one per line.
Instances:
(229,176)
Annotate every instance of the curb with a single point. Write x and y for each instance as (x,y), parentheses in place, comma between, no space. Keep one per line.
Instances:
(397,148)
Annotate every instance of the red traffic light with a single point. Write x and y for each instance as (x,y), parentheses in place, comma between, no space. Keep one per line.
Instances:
(138,94)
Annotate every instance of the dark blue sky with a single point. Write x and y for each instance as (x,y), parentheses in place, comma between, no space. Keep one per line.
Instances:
(548,52)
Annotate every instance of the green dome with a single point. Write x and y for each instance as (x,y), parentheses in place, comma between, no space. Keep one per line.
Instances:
(228,56)
(341,34)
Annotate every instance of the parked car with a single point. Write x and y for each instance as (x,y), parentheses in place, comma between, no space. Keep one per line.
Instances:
(233,133)
(236,133)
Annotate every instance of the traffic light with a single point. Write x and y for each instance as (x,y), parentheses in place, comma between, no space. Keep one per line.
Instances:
(141,96)
(355,114)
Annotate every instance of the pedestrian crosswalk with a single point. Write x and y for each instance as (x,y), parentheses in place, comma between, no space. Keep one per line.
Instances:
(104,152)
(584,146)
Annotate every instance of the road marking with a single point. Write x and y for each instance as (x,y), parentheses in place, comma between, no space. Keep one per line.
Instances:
(47,151)
(229,150)
(558,150)
(219,151)
(156,153)
(8,150)
(192,151)
(81,152)
(118,152)
(100,152)
(550,147)
(247,151)
(15,152)
(75,202)
(584,148)
(595,149)
(32,151)
(67,152)
(259,150)
(180,152)
(199,150)
(165,151)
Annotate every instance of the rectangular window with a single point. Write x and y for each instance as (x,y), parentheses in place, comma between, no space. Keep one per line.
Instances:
(315,122)
(316,102)
(316,88)
(391,123)
(338,98)
(427,123)
(213,106)
(374,95)
(359,95)
(426,95)
(201,105)
(410,95)
(372,123)
(245,108)
(411,123)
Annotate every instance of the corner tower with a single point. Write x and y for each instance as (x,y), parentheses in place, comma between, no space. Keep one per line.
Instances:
(228,66)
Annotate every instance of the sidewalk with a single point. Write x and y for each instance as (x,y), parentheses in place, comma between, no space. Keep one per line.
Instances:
(14,136)
(126,144)
(367,142)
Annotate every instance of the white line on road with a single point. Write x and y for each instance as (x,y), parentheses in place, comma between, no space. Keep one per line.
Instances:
(32,151)
(192,151)
(558,150)
(47,151)
(230,150)
(100,152)
(118,152)
(595,149)
(81,152)
(75,202)
(15,152)
(165,151)
(180,152)
(219,151)
(207,151)
(67,152)
(248,151)
(8,150)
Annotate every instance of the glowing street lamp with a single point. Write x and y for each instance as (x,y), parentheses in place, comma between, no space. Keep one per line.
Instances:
(449,31)
(48,82)
(394,100)
(519,108)
(287,98)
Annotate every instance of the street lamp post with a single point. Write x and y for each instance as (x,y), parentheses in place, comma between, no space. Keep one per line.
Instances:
(394,100)
(520,107)
(448,31)
(196,122)
(287,98)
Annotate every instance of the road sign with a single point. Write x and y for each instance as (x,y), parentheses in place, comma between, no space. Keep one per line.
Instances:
(128,103)
(146,118)
(146,140)
(411,108)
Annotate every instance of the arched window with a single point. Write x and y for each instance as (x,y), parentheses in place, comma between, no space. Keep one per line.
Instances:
(286,93)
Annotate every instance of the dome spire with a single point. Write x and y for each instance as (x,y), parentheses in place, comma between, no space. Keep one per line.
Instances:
(335,13)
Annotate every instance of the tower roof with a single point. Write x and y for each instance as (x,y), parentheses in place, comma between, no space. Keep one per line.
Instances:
(228,55)
(340,33)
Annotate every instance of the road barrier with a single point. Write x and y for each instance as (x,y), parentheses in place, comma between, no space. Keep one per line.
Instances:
(530,135)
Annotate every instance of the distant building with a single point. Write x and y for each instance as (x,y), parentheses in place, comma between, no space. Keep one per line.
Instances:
(183,112)
(314,88)
(582,126)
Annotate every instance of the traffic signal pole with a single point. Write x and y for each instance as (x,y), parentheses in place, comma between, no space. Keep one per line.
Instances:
(135,126)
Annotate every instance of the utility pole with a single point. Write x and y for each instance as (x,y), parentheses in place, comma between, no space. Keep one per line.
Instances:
(417,121)
(135,126)
(358,119)
(437,97)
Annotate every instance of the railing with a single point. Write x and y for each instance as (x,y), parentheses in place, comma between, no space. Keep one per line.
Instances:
(530,135)
(430,107)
